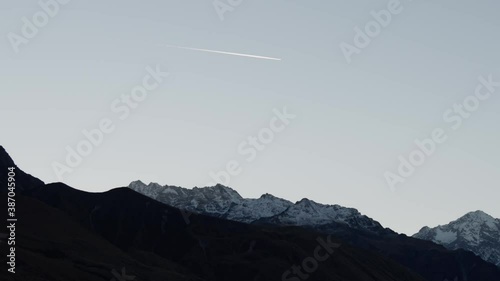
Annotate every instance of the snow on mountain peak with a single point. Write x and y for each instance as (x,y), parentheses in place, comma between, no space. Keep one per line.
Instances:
(137,183)
(479,217)
(225,202)
(475,231)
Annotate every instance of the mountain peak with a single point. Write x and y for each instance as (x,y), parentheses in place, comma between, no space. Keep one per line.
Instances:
(479,215)
(306,201)
(223,187)
(476,231)
(5,159)
(268,196)
(137,183)
(24,182)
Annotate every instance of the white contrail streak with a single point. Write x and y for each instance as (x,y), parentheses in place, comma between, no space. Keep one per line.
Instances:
(224,53)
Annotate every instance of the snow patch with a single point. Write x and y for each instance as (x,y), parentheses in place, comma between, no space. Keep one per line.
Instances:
(445,237)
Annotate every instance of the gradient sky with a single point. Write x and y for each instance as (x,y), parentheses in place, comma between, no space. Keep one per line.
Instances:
(353,120)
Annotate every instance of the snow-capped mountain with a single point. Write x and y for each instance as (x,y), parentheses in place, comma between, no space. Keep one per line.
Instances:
(477,232)
(224,202)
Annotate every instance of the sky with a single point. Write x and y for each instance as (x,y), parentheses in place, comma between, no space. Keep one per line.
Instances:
(326,125)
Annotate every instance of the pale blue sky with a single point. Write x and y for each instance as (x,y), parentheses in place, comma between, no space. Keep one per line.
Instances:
(353,120)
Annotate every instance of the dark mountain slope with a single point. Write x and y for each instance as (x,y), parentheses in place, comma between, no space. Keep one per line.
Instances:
(434,262)
(24,182)
(51,246)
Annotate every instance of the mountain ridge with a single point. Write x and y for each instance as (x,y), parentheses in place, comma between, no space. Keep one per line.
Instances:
(228,203)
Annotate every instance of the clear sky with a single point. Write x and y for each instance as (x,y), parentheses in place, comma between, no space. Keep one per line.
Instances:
(352,120)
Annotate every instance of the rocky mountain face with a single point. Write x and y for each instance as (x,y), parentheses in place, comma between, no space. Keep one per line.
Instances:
(477,232)
(224,202)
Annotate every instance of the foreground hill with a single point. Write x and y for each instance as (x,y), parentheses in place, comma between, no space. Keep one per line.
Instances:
(66,234)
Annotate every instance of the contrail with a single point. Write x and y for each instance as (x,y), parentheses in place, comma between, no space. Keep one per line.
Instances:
(224,53)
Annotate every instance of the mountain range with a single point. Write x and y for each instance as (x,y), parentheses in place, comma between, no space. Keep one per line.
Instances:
(224,202)
(477,231)
(66,234)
